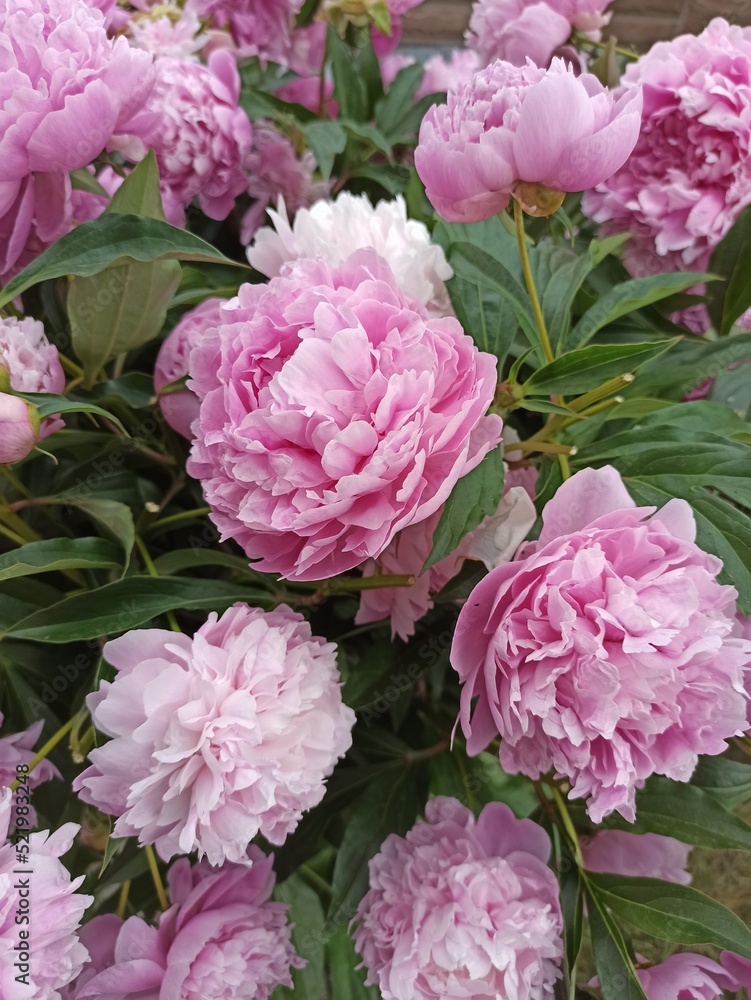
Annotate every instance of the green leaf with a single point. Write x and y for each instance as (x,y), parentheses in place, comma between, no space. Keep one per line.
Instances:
(587,368)
(92,246)
(368,135)
(54,554)
(727,780)
(733,389)
(731,258)
(202,555)
(136,389)
(474,497)
(381,16)
(258,103)
(389,805)
(686,812)
(125,305)
(350,90)
(126,604)
(398,115)
(48,405)
(346,981)
(82,180)
(572,907)
(115,518)
(692,363)
(672,912)
(615,969)
(306,914)
(326,140)
(628,297)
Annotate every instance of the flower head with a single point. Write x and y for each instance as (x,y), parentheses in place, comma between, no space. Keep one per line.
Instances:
(28,363)
(222,939)
(333,230)
(512,131)
(217,737)
(462,908)
(334,412)
(646,855)
(689,176)
(606,651)
(258,27)
(18,748)
(686,977)
(181,408)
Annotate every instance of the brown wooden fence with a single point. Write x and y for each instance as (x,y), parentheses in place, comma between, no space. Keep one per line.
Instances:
(636,23)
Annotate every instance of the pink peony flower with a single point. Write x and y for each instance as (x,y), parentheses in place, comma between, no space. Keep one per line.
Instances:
(689,176)
(217,737)
(462,908)
(99,937)
(65,90)
(168,31)
(646,855)
(493,542)
(221,938)
(334,412)
(19,428)
(18,748)
(30,363)
(55,955)
(275,171)
(516,30)
(685,977)
(442,75)
(258,27)
(739,968)
(181,408)
(605,651)
(202,138)
(333,230)
(511,131)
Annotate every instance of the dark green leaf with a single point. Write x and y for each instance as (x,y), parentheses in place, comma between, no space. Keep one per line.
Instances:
(587,368)
(136,389)
(727,780)
(672,912)
(368,135)
(346,981)
(261,104)
(731,258)
(692,363)
(628,297)
(114,518)
(306,914)
(54,554)
(82,180)
(474,497)
(350,90)
(615,969)
(126,604)
(572,907)
(326,140)
(49,405)
(92,246)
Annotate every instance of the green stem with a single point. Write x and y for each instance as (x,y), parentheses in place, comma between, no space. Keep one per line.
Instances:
(152,571)
(530,282)
(567,824)
(156,877)
(48,747)
(122,901)
(184,515)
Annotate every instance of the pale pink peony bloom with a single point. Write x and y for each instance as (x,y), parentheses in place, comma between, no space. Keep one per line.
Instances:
(739,968)
(19,428)
(442,75)
(462,908)
(222,939)
(218,737)
(274,171)
(333,230)
(31,364)
(606,651)
(99,937)
(18,748)
(168,30)
(56,955)
(686,977)
(258,27)
(515,30)
(493,542)
(689,176)
(66,89)
(646,855)
(181,408)
(511,130)
(334,412)
(203,137)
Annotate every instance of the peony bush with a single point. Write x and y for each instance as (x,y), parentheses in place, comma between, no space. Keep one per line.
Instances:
(375,505)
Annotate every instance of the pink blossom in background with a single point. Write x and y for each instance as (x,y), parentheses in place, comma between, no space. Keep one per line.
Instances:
(258,27)
(181,408)
(99,936)
(462,908)
(739,968)
(31,364)
(493,542)
(18,748)
(168,30)
(443,75)
(334,412)
(203,138)
(306,90)
(56,954)
(218,737)
(511,129)
(66,90)
(89,205)
(686,977)
(274,171)
(606,651)
(689,176)
(644,855)
(333,230)
(222,937)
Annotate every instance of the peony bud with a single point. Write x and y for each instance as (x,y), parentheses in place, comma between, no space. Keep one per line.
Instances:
(19,428)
